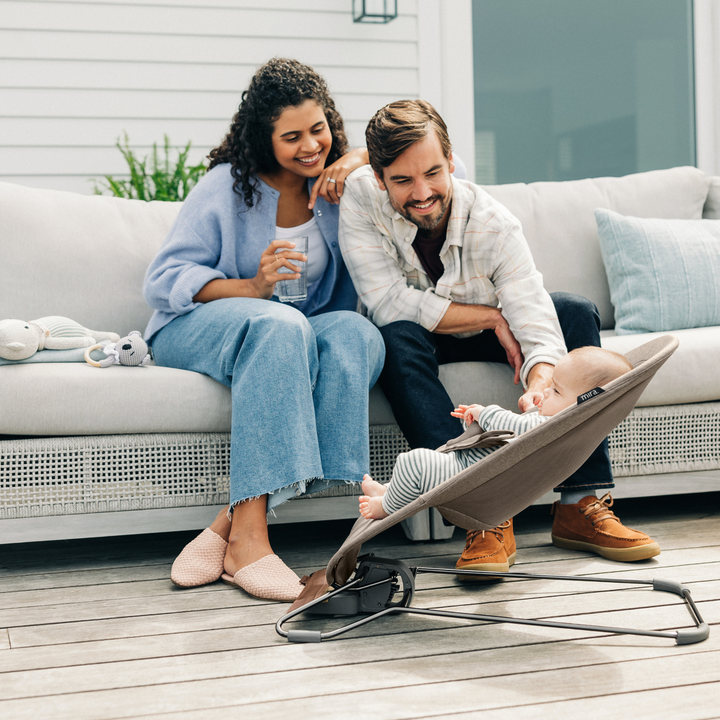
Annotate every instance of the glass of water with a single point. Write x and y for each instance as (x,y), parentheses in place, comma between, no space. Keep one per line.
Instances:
(294,289)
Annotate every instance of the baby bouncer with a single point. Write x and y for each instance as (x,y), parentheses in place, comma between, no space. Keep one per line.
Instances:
(482,497)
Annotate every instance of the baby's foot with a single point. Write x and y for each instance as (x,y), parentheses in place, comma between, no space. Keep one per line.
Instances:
(372,488)
(371,507)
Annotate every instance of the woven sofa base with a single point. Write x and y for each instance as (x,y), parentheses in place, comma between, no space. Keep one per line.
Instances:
(67,476)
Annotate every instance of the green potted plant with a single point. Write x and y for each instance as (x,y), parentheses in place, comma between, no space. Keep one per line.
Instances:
(162,180)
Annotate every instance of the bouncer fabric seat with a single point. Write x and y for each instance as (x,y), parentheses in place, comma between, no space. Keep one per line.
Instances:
(510,479)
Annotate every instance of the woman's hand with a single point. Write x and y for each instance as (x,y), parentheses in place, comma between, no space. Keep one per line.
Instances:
(330,182)
(468,413)
(270,264)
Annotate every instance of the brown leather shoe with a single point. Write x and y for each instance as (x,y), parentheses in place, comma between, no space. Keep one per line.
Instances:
(591,526)
(488,550)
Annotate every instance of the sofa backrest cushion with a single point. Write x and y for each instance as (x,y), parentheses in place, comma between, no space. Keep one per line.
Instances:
(559,222)
(711,211)
(81,256)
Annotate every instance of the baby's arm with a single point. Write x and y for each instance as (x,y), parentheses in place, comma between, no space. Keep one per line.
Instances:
(467,413)
(494,417)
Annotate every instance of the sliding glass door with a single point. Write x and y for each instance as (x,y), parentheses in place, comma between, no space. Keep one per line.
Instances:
(568,89)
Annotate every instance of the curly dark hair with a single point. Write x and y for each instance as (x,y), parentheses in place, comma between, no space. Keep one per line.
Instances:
(277,85)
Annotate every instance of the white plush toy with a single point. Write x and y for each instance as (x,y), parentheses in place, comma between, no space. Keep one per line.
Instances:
(20,340)
(130,350)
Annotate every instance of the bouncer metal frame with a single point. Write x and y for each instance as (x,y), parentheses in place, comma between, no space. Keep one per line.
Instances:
(377,580)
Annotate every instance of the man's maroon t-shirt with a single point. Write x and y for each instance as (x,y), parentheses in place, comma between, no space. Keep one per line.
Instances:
(429,253)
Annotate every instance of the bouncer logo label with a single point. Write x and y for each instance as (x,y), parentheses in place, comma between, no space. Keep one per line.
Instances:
(589,394)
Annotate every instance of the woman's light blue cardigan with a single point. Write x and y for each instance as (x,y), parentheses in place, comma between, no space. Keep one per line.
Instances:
(216,236)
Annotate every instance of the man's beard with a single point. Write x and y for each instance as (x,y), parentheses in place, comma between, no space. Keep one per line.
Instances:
(426,223)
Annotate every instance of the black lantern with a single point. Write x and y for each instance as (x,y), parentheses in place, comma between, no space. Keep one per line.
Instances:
(374,11)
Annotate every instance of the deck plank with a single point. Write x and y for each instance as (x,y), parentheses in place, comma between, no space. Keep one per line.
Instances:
(663,704)
(398,688)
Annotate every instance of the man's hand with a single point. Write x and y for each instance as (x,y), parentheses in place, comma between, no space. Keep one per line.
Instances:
(511,345)
(539,378)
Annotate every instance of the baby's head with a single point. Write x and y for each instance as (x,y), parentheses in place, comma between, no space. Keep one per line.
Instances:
(579,371)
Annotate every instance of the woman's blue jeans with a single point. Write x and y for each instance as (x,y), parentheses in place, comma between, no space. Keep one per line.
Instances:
(299,390)
(421,404)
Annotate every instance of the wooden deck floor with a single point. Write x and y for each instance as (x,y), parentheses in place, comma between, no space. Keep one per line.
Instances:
(95,629)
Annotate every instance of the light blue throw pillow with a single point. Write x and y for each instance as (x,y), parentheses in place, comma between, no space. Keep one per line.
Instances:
(663,274)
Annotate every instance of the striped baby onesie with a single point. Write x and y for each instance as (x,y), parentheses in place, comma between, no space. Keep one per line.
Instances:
(420,470)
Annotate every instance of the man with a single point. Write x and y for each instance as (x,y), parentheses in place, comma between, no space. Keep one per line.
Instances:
(446,274)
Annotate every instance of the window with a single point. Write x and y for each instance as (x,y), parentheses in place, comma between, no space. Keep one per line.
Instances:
(568,89)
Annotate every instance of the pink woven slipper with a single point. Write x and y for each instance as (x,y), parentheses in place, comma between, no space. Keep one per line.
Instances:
(201,560)
(268,578)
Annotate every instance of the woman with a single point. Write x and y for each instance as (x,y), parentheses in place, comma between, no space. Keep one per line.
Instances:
(282,165)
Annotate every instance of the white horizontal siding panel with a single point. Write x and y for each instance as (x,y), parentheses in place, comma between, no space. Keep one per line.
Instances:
(80,184)
(405,7)
(142,132)
(355,131)
(360,108)
(153,20)
(181,76)
(355,53)
(124,104)
(92,162)
(51,102)
(77,132)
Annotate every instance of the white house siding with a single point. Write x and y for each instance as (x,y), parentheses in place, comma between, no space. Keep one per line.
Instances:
(75,76)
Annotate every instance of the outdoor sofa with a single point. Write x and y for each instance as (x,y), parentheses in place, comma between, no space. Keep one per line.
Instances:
(86,451)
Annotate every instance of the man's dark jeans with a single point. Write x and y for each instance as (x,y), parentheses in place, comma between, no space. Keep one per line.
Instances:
(421,404)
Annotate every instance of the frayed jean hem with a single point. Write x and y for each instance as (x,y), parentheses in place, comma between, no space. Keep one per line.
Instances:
(304,487)
(293,490)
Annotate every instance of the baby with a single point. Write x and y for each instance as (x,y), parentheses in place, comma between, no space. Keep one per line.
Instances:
(420,470)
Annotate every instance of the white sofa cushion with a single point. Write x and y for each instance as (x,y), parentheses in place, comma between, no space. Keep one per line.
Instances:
(690,375)
(81,256)
(78,399)
(559,222)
